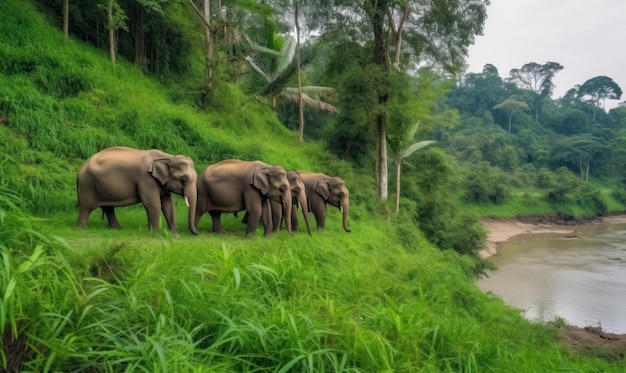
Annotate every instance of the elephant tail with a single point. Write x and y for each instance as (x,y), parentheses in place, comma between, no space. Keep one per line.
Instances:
(77,193)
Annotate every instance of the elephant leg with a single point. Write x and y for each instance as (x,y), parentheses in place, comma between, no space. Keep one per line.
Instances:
(320,216)
(267,218)
(167,206)
(277,215)
(254,208)
(109,211)
(217,224)
(83,216)
(154,214)
(294,218)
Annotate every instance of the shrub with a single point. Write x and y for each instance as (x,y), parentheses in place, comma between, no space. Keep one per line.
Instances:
(485,184)
(620,195)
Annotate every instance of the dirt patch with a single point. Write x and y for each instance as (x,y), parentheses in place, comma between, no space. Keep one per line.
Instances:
(593,341)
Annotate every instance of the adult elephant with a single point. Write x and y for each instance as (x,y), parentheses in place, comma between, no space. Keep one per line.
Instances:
(233,185)
(121,176)
(322,189)
(299,199)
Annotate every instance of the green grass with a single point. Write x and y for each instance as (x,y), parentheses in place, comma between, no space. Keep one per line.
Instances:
(534,203)
(135,300)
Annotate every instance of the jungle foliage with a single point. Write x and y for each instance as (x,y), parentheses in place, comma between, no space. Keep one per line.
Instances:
(396,294)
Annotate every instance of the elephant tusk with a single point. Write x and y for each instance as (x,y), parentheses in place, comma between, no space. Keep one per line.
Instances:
(187,201)
(341,208)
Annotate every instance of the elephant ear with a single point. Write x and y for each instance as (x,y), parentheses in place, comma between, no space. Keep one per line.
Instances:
(160,170)
(323,188)
(260,180)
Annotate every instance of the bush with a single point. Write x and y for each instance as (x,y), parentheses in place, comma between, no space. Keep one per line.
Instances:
(486,184)
(545,178)
(620,195)
(563,185)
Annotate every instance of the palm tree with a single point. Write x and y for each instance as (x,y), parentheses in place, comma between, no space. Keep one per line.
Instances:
(287,65)
(403,146)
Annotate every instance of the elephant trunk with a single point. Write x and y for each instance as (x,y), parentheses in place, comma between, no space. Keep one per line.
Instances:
(345,207)
(305,210)
(191,197)
(287,200)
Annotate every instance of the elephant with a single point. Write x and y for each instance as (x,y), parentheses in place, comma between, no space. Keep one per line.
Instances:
(234,185)
(322,189)
(121,176)
(298,193)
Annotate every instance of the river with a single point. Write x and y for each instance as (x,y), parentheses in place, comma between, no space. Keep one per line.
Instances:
(580,279)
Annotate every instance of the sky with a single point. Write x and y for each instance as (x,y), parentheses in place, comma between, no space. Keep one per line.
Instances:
(587,37)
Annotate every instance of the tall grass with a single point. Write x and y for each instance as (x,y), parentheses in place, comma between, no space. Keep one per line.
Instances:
(131,300)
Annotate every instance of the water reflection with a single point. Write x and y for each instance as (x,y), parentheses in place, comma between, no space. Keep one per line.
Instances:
(582,279)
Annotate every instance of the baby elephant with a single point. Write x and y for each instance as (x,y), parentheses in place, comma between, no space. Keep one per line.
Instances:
(121,176)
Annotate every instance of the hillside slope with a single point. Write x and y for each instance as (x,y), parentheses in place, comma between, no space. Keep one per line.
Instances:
(378,299)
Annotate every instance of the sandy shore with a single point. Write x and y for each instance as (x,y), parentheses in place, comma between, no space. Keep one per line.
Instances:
(503,230)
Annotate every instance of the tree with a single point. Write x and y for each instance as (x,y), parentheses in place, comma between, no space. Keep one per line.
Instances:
(414,107)
(66,18)
(578,150)
(403,147)
(477,93)
(116,20)
(205,16)
(598,90)
(511,106)
(408,33)
(538,79)
(276,81)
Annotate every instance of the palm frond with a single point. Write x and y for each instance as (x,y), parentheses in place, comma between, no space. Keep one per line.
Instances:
(415,147)
(257,68)
(287,53)
(291,94)
(259,48)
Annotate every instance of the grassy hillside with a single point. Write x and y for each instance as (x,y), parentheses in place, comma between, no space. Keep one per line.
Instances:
(378,299)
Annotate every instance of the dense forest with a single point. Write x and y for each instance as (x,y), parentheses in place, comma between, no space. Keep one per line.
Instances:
(373,92)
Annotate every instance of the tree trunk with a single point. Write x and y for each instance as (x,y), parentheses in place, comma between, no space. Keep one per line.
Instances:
(398,170)
(66,18)
(140,48)
(209,44)
(300,102)
(111,31)
(381,130)
(205,15)
(380,58)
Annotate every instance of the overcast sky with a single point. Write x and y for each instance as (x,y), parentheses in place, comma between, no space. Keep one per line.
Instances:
(588,38)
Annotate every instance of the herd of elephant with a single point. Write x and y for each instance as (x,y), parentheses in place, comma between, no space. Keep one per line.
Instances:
(121,176)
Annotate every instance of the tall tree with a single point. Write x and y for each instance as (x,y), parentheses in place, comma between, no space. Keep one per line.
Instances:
(66,18)
(580,151)
(538,79)
(598,90)
(116,20)
(406,32)
(205,16)
(511,106)
(412,108)
(403,147)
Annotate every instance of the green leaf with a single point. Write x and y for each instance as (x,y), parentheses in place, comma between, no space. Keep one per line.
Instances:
(415,147)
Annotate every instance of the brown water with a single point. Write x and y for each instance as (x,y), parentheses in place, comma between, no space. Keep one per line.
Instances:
(582,279)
